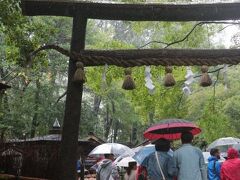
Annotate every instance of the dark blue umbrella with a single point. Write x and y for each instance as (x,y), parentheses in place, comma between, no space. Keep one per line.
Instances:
(145,151)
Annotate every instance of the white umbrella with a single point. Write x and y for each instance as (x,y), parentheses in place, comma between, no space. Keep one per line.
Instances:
(124,162)
(111,148)
(221,142)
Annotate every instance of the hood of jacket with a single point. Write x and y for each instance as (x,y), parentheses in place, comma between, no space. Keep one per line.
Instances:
(105,162)
(232,153)
(212,158)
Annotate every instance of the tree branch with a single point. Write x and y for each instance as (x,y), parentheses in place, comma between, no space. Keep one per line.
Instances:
(190,32)
(186,36)
(225,27)
(12,78)
(150,42)
(60,97)
(76,56)
(12,71)
(59,49)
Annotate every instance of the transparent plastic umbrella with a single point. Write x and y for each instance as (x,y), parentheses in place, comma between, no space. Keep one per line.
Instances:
(125,162)
(221,142)
(141,155)
(111,148)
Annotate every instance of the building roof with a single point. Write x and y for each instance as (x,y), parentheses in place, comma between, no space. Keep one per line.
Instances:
(93,137)
(57,138)
(56,124)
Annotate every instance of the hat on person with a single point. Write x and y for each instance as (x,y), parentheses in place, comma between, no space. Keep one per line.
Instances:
(232,153)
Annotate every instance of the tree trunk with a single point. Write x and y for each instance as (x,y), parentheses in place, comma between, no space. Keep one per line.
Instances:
(116,128)
(1,110)
(4,107)
(69,144)
(151,116)
(36,106)
(1,101)
(107,122)
(96,105)
(134,134)
(2,134)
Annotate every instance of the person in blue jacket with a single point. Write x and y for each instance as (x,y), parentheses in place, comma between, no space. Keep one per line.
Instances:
(79,168)
(214,166)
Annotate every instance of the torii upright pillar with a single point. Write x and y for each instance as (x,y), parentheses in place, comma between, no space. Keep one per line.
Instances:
(68,152)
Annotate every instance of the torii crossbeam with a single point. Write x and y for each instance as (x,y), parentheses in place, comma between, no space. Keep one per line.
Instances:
(81,11)
(133,12)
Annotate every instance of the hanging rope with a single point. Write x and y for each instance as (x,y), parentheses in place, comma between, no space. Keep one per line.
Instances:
(122,59)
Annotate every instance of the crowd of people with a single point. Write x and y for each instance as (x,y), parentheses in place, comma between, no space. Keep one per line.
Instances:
(186,163)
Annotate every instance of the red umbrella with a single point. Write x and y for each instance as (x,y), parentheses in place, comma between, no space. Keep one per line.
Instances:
(170,129)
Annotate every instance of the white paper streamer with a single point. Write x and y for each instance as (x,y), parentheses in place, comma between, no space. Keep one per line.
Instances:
(186,90)
(189,80)
(148,81)
(189,77)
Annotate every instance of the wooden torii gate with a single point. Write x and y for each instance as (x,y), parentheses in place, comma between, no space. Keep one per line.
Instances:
(82,11)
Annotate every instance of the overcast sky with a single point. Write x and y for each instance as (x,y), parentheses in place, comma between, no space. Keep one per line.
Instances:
(225,36)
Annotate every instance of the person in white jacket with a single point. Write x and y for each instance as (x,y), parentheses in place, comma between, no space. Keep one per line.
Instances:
(107,170)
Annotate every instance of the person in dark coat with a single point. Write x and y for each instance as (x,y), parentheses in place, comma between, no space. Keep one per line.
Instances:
(166,162)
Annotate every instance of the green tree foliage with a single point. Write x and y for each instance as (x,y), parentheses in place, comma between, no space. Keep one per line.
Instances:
(215,126)
(38,86)
(215,123)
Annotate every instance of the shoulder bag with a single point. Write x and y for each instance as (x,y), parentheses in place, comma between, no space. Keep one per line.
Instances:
(159,166)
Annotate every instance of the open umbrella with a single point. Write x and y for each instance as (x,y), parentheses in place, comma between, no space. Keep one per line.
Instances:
(170,129)
(125,161)
(111,148)
(223,143)
(145,151)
